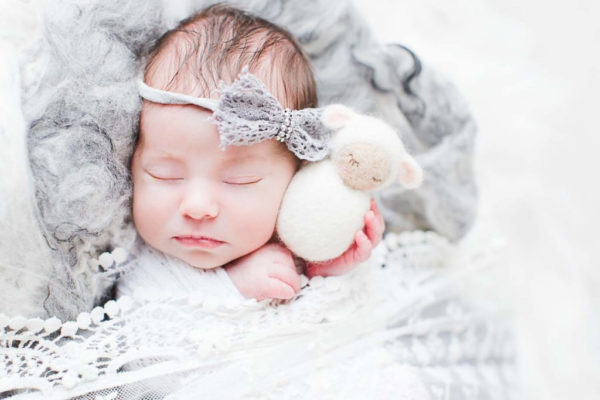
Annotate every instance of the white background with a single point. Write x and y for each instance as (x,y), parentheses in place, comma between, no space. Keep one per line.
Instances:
(531,73)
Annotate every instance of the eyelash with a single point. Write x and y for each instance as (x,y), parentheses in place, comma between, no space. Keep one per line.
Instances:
(243,183)
(158,178)
(254,180)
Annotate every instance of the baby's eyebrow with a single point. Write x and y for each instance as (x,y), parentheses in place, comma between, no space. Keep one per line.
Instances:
(160,154)
(243,159)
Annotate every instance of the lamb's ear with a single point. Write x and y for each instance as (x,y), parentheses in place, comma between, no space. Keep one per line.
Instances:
(411,173)
(336,116)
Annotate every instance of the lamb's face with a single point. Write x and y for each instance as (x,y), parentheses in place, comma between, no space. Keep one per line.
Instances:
(367,152)
(363,166)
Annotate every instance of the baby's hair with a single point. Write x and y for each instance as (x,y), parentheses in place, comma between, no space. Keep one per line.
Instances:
(217,43)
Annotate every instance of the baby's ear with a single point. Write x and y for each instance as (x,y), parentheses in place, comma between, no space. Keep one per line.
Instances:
(411,173)
(336,116)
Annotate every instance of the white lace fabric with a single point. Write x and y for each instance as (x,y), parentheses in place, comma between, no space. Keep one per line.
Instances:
(395,328)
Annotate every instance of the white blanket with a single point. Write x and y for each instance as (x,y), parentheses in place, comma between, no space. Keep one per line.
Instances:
(396,328)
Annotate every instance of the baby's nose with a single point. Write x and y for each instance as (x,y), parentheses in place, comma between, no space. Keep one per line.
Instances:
(199,202)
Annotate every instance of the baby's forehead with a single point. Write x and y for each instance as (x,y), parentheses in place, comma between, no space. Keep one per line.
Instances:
(168,141)
(269,154)
(235,158)
(241,155)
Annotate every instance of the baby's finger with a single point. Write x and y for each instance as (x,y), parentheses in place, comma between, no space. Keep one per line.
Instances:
(370,228)
(288,276)
(363,247)
(373,228)
(276,289)
(357,253)
(281,254)
(375,209)
(373,205)
(327,269)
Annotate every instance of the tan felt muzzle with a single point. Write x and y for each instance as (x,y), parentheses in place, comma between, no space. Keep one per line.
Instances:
(363,166)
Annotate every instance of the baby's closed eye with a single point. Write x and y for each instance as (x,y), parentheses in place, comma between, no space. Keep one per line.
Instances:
(242,179)
(165,174)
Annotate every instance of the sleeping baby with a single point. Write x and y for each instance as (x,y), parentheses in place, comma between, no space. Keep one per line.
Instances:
(206,187)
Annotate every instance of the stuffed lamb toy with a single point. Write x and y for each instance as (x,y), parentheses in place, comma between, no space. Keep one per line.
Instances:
(325,202)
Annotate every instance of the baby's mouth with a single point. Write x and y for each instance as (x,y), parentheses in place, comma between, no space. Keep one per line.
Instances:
(198,241)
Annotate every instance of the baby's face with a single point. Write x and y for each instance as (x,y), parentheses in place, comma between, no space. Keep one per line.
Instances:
(196,202)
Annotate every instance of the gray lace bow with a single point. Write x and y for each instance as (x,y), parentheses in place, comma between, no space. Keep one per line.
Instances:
(247,113)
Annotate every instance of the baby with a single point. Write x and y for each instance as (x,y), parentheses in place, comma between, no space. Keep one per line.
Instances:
(200,207)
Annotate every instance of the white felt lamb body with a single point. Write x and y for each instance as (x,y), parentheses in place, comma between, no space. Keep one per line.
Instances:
(325,202)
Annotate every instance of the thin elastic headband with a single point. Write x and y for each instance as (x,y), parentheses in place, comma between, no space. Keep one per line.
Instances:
(164,97)
(246,113)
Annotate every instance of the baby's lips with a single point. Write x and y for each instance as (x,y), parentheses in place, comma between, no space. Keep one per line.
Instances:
(198,241)
(198,237)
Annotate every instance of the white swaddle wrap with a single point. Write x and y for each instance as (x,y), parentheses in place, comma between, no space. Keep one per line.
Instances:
(161,276)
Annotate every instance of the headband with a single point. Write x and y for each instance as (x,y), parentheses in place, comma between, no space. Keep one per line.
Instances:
(246,113)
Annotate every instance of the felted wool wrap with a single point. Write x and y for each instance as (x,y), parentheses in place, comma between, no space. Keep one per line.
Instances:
(80,111)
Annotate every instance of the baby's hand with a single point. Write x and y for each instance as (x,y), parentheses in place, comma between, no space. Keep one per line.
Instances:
(267,273)
(360,251)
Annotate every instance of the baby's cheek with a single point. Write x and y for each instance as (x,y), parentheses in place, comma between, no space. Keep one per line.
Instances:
(256,220)
(141,216)
(150,213)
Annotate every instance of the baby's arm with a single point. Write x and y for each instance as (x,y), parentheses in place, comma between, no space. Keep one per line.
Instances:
(267,273)
(360,251)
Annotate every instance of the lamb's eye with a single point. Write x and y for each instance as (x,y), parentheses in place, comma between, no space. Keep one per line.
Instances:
(352,160)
